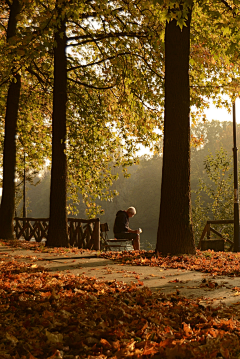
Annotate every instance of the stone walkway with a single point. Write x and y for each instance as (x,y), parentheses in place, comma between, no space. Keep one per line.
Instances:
(192,284)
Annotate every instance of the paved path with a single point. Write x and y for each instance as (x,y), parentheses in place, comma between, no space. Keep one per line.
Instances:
(191,284)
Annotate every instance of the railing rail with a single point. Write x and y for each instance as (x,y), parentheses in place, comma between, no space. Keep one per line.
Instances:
(82,233)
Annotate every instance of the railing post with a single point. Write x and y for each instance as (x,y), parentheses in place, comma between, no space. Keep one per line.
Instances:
(70,231)
(16,227)
(208,230)
(97,235)
(28,230)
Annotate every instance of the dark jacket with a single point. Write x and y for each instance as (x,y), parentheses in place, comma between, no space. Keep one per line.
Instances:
(121,223)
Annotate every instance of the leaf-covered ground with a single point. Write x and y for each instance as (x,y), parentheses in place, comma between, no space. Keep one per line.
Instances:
(44,315)
(215,263)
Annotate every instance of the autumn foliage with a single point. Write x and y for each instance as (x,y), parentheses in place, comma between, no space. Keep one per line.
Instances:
(215,263)
(68,316)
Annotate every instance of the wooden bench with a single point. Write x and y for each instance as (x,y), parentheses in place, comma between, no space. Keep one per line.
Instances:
(112,244)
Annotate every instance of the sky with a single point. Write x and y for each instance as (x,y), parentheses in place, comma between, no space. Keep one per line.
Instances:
(222,114)
(213,113)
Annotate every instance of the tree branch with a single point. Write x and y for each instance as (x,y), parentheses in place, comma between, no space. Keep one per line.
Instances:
(4,81)
(32,72)
(97,62)
(229,7)
(226,4)
(43,74)
(91,86)
(112,57)
(44,6)
(84,16)
(103,36)
(5,29)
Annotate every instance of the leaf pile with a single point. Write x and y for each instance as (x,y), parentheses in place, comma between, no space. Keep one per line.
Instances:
(215,263)
(66,316)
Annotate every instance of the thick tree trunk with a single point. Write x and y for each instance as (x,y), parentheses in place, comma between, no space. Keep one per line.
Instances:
(9,150)
(57,234)
(175,233)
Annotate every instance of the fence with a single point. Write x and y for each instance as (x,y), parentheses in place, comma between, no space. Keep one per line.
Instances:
(82,233)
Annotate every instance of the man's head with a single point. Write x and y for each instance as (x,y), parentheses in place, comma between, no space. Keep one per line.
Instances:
(131,211)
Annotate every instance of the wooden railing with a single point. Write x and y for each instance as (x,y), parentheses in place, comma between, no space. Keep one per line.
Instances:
(82,233)
(208,229)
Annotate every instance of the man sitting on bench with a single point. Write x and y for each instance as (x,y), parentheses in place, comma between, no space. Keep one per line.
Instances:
(121,227)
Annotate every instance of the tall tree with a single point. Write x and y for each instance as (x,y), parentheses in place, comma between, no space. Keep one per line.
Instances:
(26,126)
(105,96)
(175,233)
(9,153)
(57,234)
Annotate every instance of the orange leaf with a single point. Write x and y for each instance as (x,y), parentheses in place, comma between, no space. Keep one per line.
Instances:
(105,343)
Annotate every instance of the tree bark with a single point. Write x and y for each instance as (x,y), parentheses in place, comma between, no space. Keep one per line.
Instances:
(9,149)
(57,233)
(175,234)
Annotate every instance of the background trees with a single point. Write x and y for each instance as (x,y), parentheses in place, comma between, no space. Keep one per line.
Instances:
(142,189)
(214,195)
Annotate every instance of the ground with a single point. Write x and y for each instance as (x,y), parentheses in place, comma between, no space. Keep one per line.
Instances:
(70,303)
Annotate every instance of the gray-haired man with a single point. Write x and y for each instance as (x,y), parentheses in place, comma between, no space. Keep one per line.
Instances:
(121,227)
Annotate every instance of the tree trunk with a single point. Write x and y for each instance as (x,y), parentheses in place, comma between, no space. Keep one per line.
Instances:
(9,149)
(57,234)
(175,233)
